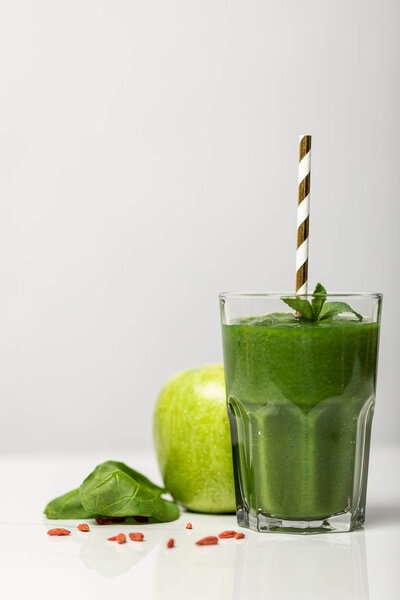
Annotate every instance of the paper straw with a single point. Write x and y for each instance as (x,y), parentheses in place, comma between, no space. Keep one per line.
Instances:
(303,214)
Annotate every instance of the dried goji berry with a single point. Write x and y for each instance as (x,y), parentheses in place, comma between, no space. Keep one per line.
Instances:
(189,526)
(121,538)
(227,534)
(170,543)
(136,537)
(209,540)
(83,527)
(102,521)
(239,535)
(140,519)
(58,531)
(109,520)
(113,538)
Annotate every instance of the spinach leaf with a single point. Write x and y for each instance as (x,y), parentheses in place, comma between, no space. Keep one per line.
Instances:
(135,474)
(113,489)
(67,506)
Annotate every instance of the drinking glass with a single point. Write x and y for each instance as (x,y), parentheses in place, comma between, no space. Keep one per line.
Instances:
(301,397)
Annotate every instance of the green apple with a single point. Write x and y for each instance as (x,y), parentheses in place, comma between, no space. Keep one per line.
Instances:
(192,440)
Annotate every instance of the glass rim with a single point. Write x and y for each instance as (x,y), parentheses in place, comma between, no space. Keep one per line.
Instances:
(226,295)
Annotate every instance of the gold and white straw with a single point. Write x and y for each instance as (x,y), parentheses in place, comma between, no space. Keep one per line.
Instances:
(303,214)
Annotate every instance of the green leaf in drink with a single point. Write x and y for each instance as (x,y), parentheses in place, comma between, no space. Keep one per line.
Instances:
(318,301)
(319,309)
(331,309)
(303,307)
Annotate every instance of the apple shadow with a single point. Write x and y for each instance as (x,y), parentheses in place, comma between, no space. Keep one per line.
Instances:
(382,514)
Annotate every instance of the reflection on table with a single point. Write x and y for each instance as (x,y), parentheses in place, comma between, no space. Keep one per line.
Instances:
(261,566)
(273,566)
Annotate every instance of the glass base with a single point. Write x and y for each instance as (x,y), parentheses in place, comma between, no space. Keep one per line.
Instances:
(342,522)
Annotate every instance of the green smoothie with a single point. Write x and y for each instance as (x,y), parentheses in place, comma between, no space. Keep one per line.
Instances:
(300,400)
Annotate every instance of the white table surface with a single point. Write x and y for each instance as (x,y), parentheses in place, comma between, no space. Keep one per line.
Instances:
(353,566)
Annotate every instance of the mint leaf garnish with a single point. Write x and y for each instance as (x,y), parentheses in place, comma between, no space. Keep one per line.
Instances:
(319,309)
(303,307)
(331,309)
(318,301)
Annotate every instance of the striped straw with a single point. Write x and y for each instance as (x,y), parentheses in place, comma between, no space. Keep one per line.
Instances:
(303,214)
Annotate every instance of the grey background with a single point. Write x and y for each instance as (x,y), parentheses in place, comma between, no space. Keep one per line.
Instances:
(148,160)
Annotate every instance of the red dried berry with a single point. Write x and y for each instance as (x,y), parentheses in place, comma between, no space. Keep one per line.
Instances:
(227,534)
(121,538)
(102,521)
(140,519)
(58,531)
(83,527)
(239,536)
(136,537)
(109,520)
(209,540)
(189,526)
(112,538)
(171,543)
